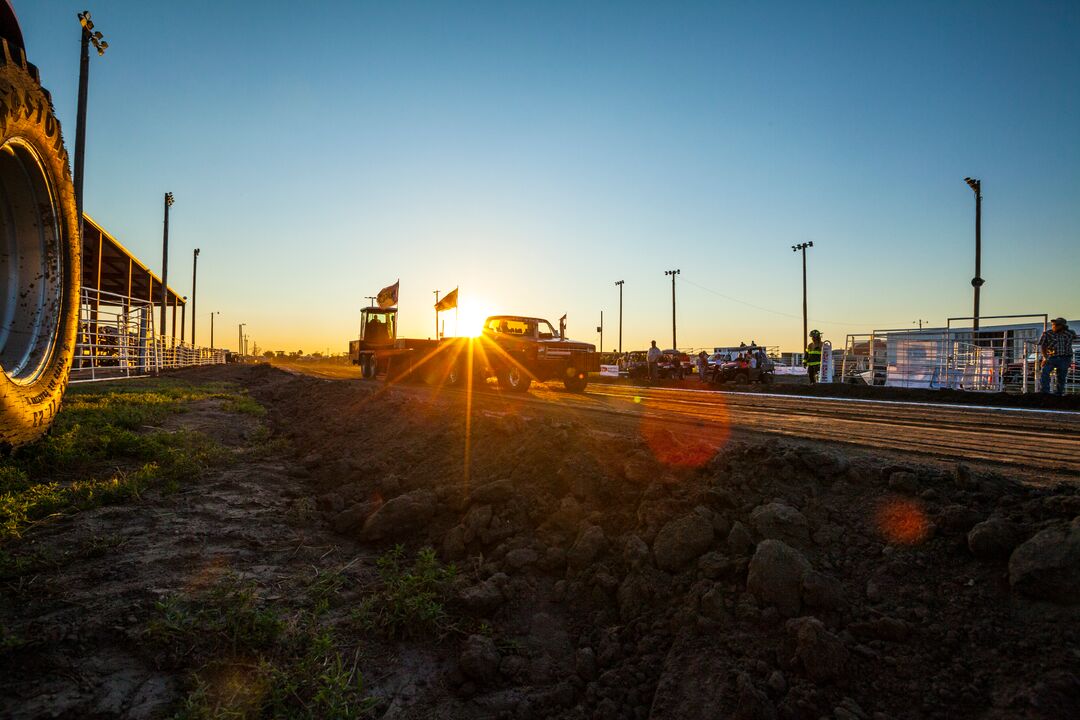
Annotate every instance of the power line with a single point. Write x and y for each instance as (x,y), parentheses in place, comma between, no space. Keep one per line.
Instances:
(777,312)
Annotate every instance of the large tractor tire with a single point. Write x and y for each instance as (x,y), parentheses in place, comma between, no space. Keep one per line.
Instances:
(39,255)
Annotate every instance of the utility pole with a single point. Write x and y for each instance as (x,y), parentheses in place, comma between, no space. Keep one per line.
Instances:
(240,339)
(216,312)
(801,247)
(371,299)
(673,273)
(88,36)
(977,281)
(600,329)
(436,314)
(620,284)
(165,263)
(920,322)
(194,276)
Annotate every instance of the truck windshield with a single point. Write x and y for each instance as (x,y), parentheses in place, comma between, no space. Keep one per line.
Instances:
(546,331)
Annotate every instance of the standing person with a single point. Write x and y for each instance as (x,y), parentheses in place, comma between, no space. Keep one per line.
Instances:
(1056,347)
(702,365)
(653,357)
(812,358)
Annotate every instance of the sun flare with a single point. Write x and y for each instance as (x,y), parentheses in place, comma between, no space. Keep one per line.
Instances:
(470,318)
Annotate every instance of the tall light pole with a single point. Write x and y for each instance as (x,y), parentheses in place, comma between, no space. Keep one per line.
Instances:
(436,314)
(620,284)
(240,339)
(194,276)
(801,247)
(165,263)
(216,312)
(89,36)
(977,281)
(600,329)
(673,273)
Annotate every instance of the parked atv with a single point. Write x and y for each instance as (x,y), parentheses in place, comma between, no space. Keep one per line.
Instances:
(739,372)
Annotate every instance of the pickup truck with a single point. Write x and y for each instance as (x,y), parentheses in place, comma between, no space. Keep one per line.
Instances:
(514,349)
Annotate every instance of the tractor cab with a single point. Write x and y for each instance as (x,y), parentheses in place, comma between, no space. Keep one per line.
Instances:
(378,326)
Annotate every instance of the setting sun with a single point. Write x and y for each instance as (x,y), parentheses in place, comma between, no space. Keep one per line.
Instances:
(470,318)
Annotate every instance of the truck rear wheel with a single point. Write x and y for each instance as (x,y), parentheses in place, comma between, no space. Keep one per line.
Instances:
(514,379)
(577,384)
(39,255)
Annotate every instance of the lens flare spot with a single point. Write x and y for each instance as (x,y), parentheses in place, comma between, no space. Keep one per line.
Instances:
(903,521)
(637,399)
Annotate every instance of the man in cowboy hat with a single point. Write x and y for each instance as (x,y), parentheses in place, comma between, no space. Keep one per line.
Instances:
(1056,348)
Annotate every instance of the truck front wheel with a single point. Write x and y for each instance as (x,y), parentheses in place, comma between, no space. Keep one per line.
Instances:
(514,379)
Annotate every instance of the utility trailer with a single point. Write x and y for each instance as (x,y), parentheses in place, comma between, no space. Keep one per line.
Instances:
(514,349)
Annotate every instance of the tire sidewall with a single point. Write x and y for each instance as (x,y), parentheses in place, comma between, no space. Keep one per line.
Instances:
(27,409)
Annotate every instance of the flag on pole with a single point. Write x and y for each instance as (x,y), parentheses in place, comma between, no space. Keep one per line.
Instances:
(388,296)
(447,303)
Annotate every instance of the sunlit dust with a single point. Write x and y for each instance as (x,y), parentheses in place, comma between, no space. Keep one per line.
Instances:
(903,521)
(684,444)
(235,688)
(207,575)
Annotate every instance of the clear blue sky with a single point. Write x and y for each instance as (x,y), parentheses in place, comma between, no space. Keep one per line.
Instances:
(535,153)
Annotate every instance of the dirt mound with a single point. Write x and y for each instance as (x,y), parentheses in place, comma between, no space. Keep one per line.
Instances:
(599,570)
(621,578)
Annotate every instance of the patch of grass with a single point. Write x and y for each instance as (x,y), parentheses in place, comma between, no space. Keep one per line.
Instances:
(17,565)
(324,589)
(256,661)
(245,405)
(412,599)
(170,457)
(228,617)
(106,447)
(315,686)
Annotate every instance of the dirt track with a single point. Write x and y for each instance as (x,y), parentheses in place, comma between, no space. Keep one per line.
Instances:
(1027,439)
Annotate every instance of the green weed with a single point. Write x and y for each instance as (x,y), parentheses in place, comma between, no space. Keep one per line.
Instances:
(227,618)
(412,598)
(258,662)
(245,405)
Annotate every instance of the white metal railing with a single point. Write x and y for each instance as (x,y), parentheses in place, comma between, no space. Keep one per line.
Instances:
(117,339)
(946,358)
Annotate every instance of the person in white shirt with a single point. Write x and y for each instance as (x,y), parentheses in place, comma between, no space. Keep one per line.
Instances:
(653,357)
